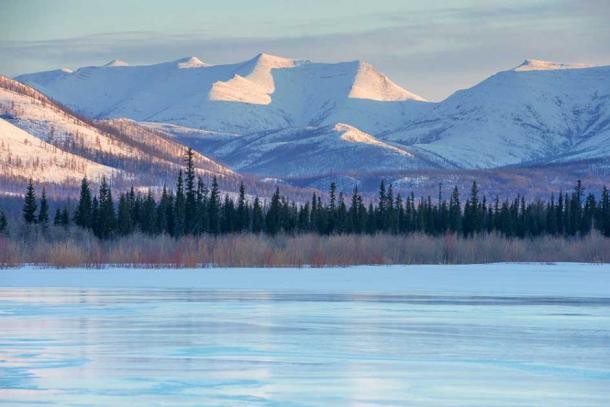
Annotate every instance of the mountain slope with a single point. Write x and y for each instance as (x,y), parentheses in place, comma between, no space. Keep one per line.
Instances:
(280,117)
(24,156)
(305,152)
(265,92)
(35,126)
(538,112)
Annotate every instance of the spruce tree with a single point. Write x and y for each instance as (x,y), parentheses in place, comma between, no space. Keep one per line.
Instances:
(332,209)
(341,216)
(179,207)
(57,218)
(84,211)
(242,210)
(65,217)
(272,220)
(371,220)
(214,208)
(190,204)
(227,224)
(258,220)
(149,212)
(455,211)
(29,204)
(3,224)
(200,207)
(381,207)
(124,219)
(43,214)
(603,222)
(106,221)
(165,214)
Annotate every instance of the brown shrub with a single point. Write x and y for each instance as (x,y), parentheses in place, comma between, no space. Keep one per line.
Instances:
(249,250)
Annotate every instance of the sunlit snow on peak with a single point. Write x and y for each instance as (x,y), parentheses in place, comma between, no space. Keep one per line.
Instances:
(116,62)
(540,65)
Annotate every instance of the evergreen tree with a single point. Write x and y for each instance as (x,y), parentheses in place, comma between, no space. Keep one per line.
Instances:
(57,218)
(228,216)
(214,208)
(272,220)
(242,222)
(65,217)
(165,214)
(148,217)
(43,214)
(84,216)
(471,223)
(341,218)
(200,207)
(105,219)
(29,204)
(3,224)
(379,223)
(190,205)
(602,220)
(179,208)
(258,221)
(124,216)
(332,209)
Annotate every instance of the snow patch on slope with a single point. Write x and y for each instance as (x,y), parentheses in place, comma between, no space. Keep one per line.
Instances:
(372,85)
(540,65)
(190,62)
(353,135)
(24,155)
(252,83)
(114,63)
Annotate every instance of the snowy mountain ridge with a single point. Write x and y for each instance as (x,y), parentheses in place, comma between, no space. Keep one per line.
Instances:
(280,117)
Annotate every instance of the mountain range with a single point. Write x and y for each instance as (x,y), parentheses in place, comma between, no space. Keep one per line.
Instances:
(290,120)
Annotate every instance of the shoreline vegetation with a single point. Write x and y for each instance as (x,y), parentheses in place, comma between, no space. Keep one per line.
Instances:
(192,225)
(83,249)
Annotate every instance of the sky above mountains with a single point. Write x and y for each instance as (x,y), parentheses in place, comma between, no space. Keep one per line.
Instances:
(430,47)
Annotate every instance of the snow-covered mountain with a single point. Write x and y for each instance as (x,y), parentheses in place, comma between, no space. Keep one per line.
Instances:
(23,156)
(43,140)
(538,112)
(283,118)
(263,93)
(309,151)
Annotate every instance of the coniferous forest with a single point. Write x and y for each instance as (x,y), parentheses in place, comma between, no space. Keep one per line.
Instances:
(194,208)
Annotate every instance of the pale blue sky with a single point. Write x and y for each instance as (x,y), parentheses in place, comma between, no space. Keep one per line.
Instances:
(430,47)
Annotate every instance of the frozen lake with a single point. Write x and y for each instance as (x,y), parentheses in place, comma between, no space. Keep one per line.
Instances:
(484,335)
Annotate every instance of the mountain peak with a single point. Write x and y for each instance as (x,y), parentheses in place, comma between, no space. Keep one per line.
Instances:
(371,84)
(190,62)
(540,65)
(116,62)
(273,60)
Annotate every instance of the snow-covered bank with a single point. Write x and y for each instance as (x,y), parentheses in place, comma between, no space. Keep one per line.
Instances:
(556,279)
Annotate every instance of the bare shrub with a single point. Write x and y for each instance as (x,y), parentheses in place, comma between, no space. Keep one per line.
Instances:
(248,250)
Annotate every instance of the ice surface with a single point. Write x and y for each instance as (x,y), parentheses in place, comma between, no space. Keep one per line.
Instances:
(485,335)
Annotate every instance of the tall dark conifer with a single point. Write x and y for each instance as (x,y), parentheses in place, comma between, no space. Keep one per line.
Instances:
(190,205)
(272,220)
(258,220)
(83,216)
(43,214)
(29,204)
(214,208)
(106,221)
(242,223)
(125,223)
(179,207)
(3,224)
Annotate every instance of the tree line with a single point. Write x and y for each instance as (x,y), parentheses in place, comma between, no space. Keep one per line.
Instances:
(195,208)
